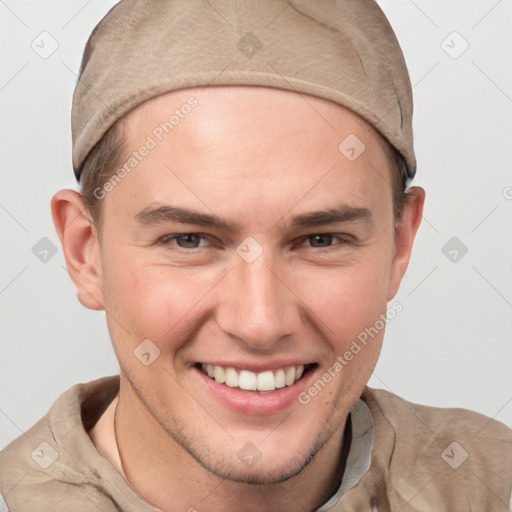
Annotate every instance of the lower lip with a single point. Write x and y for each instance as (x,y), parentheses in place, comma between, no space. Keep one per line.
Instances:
(252,402)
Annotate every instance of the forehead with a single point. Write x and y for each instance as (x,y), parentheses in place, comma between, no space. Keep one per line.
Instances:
(254,142)
(218,110)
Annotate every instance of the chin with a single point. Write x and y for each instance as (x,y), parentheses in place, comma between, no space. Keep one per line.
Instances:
(261,463)
(261,472)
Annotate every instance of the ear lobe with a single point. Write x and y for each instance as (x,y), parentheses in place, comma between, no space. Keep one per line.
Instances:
(79,240)
(405,232)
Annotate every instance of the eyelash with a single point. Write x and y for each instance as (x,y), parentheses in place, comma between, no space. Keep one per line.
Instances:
(168,239)
(343,239)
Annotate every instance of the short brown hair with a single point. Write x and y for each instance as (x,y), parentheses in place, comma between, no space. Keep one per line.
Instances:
(99,166)
(108,154)
(399,179)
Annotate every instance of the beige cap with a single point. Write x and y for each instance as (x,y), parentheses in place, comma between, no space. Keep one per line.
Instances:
(344,51)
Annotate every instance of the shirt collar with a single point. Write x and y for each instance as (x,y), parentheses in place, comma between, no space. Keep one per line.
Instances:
(360,453)
(358,459)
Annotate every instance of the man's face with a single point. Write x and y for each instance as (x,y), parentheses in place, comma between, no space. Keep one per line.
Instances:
(280,255)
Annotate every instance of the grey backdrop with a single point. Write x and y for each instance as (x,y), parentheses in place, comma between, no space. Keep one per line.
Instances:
(451,344)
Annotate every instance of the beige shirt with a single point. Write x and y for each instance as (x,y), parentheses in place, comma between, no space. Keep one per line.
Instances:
(423,459)
(358,460)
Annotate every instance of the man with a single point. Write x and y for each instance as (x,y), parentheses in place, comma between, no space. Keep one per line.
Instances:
(244,224)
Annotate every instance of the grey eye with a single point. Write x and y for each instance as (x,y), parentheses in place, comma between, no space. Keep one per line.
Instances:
(320,240)
(188,241)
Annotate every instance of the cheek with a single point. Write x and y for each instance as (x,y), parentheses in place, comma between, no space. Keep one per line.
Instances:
(348,306)
(348,299)
(155,302)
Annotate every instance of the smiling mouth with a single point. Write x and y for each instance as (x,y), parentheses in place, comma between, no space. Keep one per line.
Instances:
(264,382)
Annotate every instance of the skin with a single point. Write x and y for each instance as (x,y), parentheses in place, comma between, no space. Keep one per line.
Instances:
(256,157)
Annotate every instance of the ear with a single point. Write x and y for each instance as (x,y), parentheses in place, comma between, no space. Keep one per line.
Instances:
(79,239)
(405,232)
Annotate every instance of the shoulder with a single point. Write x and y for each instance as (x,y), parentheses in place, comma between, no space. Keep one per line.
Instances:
(403,414)
(453,455)
(38,470)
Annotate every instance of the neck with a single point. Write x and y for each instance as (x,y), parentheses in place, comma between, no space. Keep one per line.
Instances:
(167,477)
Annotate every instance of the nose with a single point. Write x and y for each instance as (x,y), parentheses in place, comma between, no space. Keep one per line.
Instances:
(256,304)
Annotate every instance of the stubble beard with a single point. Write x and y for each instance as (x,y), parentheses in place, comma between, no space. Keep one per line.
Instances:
(220,465)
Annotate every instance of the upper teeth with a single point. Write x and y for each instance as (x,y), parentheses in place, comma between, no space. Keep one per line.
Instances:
(250,381)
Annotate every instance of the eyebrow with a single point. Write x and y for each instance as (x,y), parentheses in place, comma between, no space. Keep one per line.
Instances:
(167,213)
(339,215)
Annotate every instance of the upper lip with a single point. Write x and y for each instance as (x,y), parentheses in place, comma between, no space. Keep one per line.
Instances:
(258,367)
